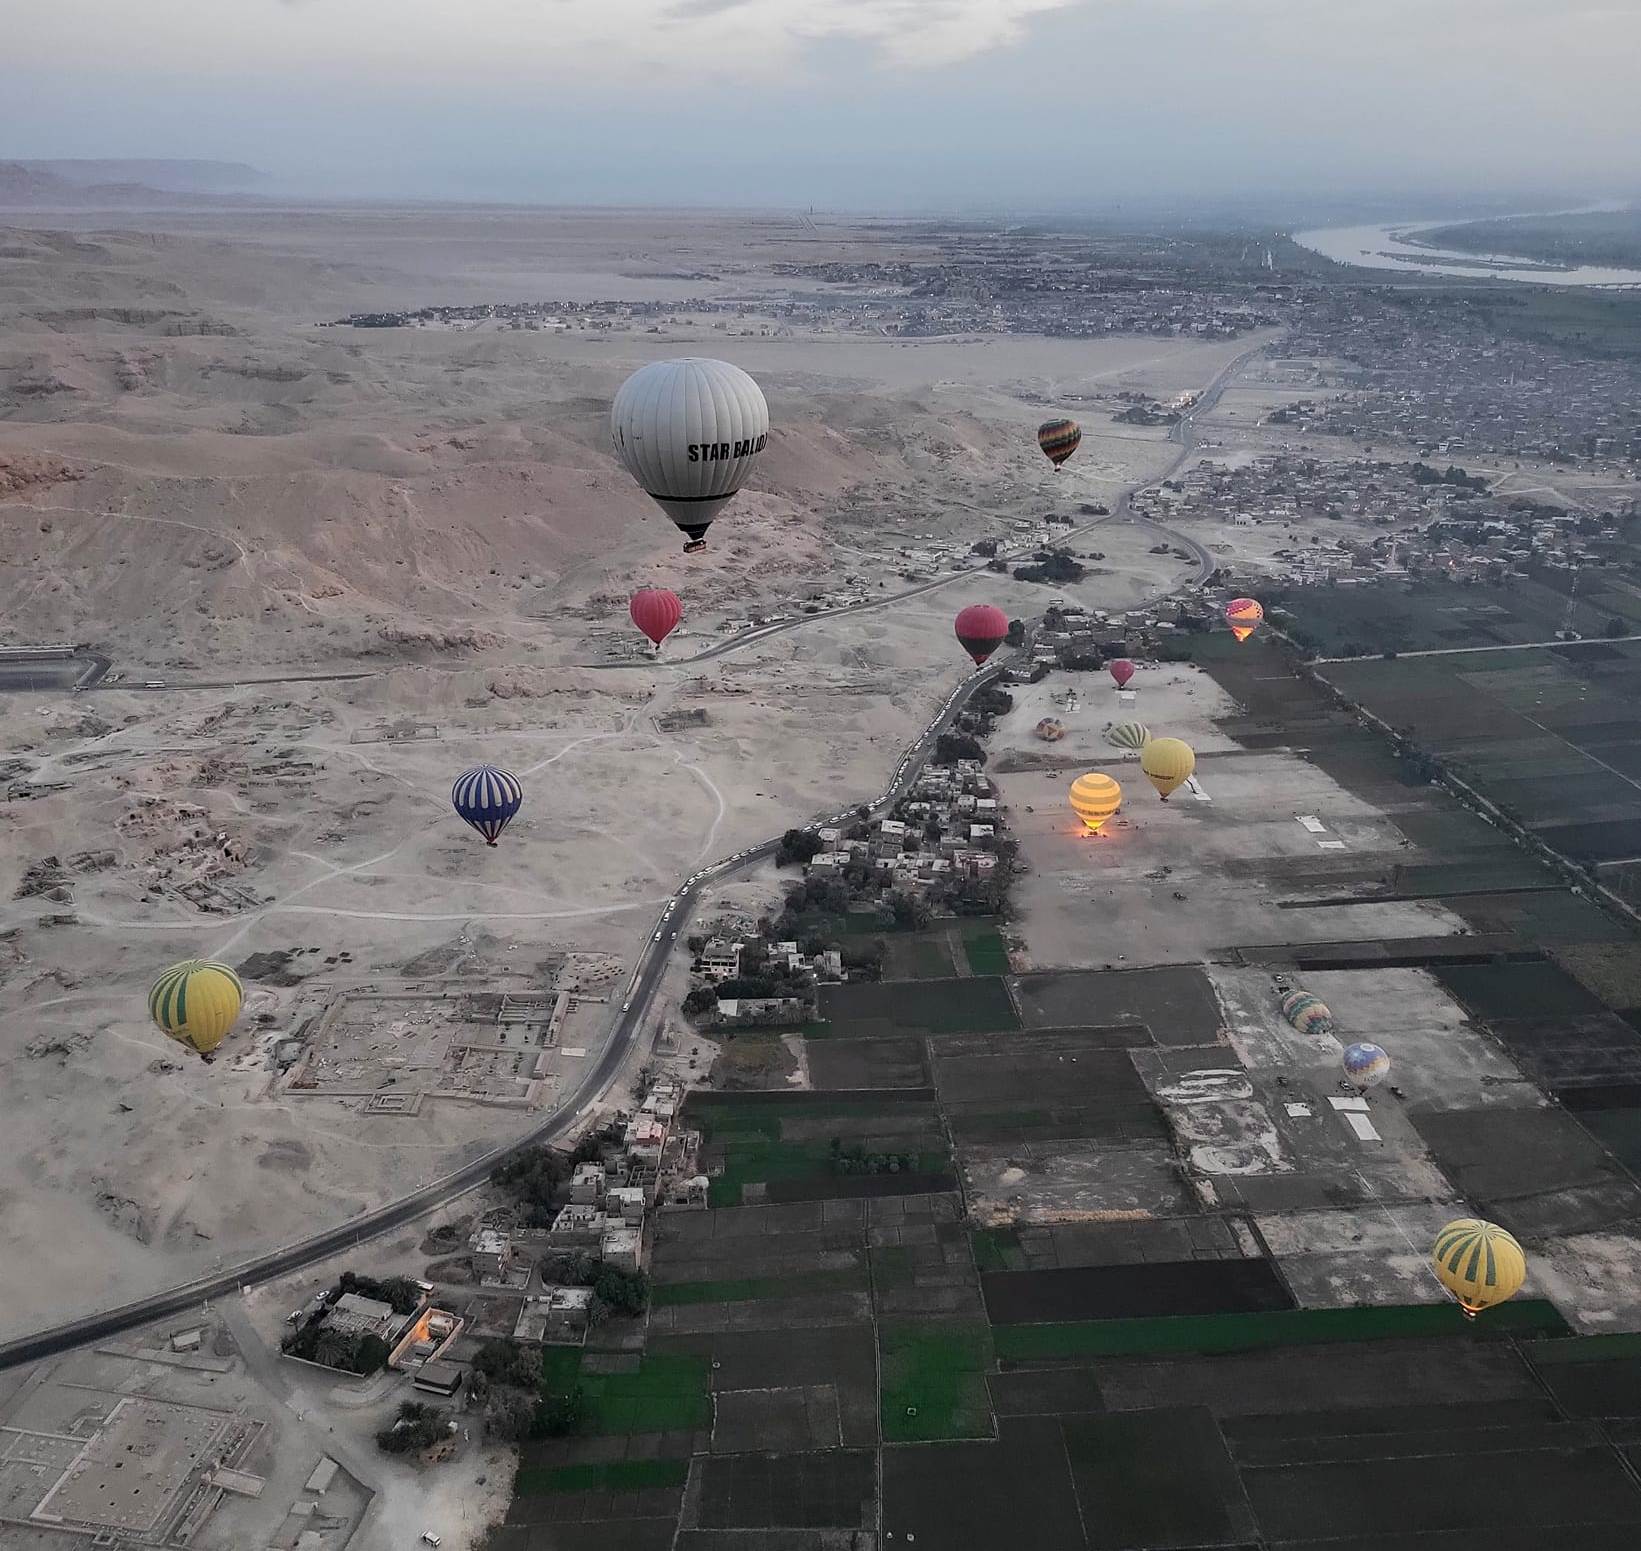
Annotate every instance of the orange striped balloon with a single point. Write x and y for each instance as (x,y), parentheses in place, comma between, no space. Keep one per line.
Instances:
(1059,439)
(1095,797)
(1243,615)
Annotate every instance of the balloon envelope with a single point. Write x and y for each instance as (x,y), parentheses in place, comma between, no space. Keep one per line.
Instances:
(1094,798)
(981,629)
(1122,670)
(1167,763)
(1050,730)
(1479,1263)
(488,799)
(1243,615)
(1059,439)
(1129,735)
(1308,1014)
(656,612)
(195,1003)
(1366,1064)
(689,431)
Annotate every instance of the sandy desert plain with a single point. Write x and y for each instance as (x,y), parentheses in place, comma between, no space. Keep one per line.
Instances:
(336,533)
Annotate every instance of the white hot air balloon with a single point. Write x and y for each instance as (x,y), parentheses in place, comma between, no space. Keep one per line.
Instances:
(689,432)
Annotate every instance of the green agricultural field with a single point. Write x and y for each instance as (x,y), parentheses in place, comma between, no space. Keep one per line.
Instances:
(921,957)
(997,1249)
(749,1289)
(1281,1327)
(983,948)
(627,1475)
(666,1393)
(934,1382)
(979,1005)
(766,1143)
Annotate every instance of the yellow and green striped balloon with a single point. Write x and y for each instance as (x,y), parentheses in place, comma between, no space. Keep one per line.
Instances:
(1129,735)
(1479,1263)
(196,1003)
(1095,797)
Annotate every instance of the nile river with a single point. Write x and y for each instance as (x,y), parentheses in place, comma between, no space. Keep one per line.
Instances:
(1386,247)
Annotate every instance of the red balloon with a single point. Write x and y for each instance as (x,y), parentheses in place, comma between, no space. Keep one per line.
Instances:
(656,612)
(1122,670)
(981,630)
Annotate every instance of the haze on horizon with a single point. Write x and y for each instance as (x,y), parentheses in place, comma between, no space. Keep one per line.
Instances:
(893,104)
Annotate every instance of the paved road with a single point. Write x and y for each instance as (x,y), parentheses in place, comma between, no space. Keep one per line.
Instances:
(646,978)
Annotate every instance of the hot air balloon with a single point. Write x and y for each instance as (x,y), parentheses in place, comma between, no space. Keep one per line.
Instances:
(1308,1014)
(1366,1064)
(1167,763)
(195,1003)
(981,629)
(1094,798)
(1049,730)
(1243,615)
(1059,439)
(656,612)
(1479,1263)
(689,432)
(1128,735)
(488,799)
(1122,670)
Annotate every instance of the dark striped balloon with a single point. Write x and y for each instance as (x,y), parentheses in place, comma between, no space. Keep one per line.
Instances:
(488,799)
(1059,439)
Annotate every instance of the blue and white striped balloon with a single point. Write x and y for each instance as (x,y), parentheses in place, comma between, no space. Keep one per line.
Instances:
(1366,1065)
(487,798)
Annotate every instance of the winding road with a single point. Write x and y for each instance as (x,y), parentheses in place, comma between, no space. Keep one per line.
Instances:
(646,979)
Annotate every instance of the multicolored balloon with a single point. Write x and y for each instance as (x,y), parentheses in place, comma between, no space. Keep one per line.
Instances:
(1308,1014)
(195,1003)
(689,432)
(1129,735)
(981,629)
(1479,1263)
(1059,439)
(1167,763)
(1050,730)
(1243,615)
(656,612)
(1122,670)
(488,799)
(1366,1064)
(1095,797)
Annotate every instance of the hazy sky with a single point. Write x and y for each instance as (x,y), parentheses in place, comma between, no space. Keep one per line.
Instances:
(898,103)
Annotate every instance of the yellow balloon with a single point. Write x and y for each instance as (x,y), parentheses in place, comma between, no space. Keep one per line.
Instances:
(1168,763)
(195,1003)
(1094,798)
(1479,1263)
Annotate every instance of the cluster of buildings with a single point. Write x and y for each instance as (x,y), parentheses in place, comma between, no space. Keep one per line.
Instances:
(1432,368)
(654,1165)
(901,854)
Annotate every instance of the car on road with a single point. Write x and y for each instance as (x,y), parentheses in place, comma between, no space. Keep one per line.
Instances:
(656,938)
(625,1006)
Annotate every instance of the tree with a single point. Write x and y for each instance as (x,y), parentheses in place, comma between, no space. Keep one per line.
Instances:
(625,1291)
(1016,633)
(415,1427)
(1614,628)
(511,1416)
(557,1416)
(701,1000)
(504,1362)
(950,747)
(797,845)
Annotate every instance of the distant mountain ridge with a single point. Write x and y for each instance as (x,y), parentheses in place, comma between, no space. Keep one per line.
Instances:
(28,185)
(184,176)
